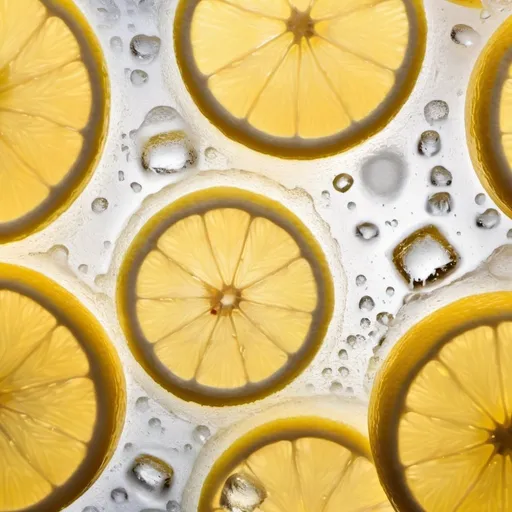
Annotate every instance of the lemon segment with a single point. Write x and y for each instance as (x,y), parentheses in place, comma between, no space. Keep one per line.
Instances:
(227,299)
(442,403)
(53,101)
(285,77)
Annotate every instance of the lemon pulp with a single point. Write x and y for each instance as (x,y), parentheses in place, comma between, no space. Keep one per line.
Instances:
(441,411)
(53,101)
(286,77)
(61,397)
(302,464)
(489,117)
(224,296)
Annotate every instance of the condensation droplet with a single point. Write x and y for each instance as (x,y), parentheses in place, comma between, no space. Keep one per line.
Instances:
(116,44)
(201,434)
(439,204)
(343,182)
(128,447)
(390,291)
(155,423)
(211,154)
(366,303)
(351,205)
(384,318)
(430,143)
(173,506)
(383,175)
(107,244)
(360,280)
(83,268)
(327,372)
(145,48)
(138,77)
(436,111)
(343,371)
(99,205)
(485,14)
(351,340)
(440,176)
(480,199)
(326,197)
(136,187)
(488,219)
(336,387)
(142,404)
(343,354)
(509,233)
(90,509)
(119,495)
(188,447)
(367,231)
(365,323)
(120,176)
(464,35)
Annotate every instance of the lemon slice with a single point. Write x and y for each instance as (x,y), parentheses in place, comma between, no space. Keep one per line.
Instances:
(489,117)
(468,3)
(53,111)
(61,394)
(224,296)
(285,77)
(305,464)
(441,410)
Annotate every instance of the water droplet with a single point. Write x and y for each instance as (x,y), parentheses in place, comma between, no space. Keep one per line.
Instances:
(367,231)
(480,199)
(151,474)
(201,434)
(489,219)
(83,268)
(168,153)
(136,187)
(390,291)
(119,495)
(343,371)
(120,176)
(440,176)
(90,509)
(131,27)
(145,48)
(343,182)
(430,143)
(485,14)
(383,175)
(242,493)
(336,387)
(116,44)
(142,404)
(211,154)
(155,423)
(351,340)
(351,205)
(99,205)
(436,110)
(360,280)
(439,204)
(343,354)
(173,506)
(365,323)
(384,318)
(128,447)
(464,35)
(366,303)
(326,198)
(327,372)
(138,77)
(107,244)
(509,233)
(188,447)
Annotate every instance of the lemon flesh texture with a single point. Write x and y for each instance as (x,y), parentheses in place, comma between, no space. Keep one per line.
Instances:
(50,130)
(227,302)
(452,431)
(303,473)
(295,70)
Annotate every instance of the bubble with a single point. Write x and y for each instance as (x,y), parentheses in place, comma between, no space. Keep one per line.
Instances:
(365,323)
(336,387)
(138,77)
(119,495)
(367,231)
(116,44)
(436,110)
(366,303)
(390,291)
(145,48)
(168,153)
(326,372)
(488,219)
(384,318)
(383,175)
(480,199)
(439,204)
(360,280)
(155,423)
(343,182)
(242,493)
(351,205)
(151,474)
(99,205)
(440,176)
(464,35)
(142,404)
(343,371)
(430,143)
(83,268)
(173,506)
(201,434)
(136,187)
(120,176)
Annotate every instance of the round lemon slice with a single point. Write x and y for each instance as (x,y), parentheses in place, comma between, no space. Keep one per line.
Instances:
(61,394)
(300,78)
(224,296)
(53,111)
(441,410)
(489,117)
(302,464)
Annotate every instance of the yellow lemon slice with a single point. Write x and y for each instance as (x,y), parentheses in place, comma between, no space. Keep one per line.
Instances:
(224,296)
(305,464)
(489,117)
(300,78)
(53,111)
(441,410)
(61,394)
